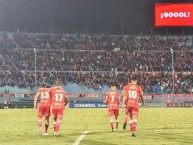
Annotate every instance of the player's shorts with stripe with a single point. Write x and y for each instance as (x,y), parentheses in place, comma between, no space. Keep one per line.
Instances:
(43,111)
(132,111)
(112,112)
(58,112)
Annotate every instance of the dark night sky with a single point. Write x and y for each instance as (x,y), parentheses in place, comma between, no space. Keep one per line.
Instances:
(72,15)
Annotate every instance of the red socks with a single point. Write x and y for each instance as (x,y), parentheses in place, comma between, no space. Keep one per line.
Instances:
(39,123)
(130,123)
(55,126)
(133,126)
(58,126)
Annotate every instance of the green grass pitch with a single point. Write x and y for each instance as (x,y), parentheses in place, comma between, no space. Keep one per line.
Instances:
(156,126)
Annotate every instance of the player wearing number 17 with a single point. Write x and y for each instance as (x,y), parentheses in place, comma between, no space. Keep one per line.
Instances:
(131,94)
(59,101)
(112,99)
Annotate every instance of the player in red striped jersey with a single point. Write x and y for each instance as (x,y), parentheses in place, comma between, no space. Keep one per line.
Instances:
(59,101)
(43,108)
(131,94)
(112,99)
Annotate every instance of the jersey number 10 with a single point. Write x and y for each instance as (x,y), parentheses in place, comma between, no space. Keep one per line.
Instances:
(132,94)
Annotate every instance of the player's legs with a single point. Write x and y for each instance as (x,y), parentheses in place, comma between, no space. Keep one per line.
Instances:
(134,125)
(47,116)
(40,117)
(127,118)
(59,120)
(40,121)
(40,125)
(111,114)
(116,113)
(134,119)
(46,125)
(111,122)
(54,114)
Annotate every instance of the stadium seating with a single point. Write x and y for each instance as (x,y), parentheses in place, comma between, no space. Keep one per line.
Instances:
(95,60)
(72,88)
(10,89)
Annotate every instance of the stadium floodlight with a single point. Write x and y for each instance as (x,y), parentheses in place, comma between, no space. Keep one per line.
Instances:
(173,75)
(35,68)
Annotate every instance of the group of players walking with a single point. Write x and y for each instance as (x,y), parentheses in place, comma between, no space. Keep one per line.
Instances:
(56,99)
(130,104)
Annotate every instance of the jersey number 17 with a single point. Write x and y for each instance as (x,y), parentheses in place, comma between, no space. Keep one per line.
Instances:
(59,97)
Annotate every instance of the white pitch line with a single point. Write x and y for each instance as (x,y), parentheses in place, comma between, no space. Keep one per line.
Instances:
(80,138)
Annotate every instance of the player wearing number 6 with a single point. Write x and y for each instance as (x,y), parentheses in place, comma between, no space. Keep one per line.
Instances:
(59,101)
(43,108)
(131,94)
(112,99)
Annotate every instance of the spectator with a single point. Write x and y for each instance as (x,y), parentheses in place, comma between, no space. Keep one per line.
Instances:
(95,60)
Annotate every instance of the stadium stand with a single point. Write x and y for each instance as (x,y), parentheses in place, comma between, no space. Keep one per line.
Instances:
(95,60)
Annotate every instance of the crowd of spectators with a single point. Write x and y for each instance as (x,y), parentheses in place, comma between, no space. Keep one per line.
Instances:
(95,60)
(151,82)
(100,41)
(94,41)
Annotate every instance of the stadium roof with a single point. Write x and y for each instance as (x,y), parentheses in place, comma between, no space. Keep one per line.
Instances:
(72,16)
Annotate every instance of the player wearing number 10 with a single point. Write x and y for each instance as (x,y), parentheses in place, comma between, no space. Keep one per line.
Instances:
(59,101)
(131,94)
(112,99)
